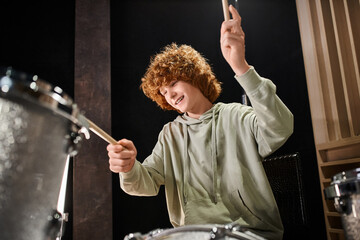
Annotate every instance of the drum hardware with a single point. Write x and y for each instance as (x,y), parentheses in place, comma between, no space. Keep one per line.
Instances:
(62,216)
(54,225)
(345,191)
(74,137)
(221,232)
(218,233)
(201,232)
(64,219)
(155,232)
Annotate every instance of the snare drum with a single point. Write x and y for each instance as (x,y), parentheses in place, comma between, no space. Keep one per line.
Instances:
(39,127)
(198,232)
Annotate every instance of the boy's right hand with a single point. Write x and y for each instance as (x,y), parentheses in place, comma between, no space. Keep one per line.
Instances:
(121,156)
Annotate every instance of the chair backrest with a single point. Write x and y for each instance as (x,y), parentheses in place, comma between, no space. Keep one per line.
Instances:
(285,177)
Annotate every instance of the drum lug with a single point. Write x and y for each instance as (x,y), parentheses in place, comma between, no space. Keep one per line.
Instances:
(55,226)
(155,232)
(73,142)
(134,236)
(218,233)
(341,205)
(233,227)
(79,129)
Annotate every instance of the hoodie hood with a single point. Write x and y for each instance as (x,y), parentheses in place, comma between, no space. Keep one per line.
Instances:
(209,117)
(185,119)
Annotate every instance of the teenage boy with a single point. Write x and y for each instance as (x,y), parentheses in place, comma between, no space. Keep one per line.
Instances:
(210,157)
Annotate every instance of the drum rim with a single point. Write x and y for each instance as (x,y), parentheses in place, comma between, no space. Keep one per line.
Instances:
(18,84)
(229,230)
(346,176)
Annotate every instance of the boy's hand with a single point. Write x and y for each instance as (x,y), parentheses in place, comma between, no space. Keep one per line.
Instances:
(121,156)
(232,43)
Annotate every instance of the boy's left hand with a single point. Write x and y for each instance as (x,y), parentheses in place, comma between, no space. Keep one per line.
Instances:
(232,43)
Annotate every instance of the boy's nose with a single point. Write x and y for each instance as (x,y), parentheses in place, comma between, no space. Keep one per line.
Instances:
(172,93)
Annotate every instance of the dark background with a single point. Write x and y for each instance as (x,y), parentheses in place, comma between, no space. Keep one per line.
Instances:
(38,37)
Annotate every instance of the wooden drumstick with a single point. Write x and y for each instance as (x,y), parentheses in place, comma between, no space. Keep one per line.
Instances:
(101,133)
(225,5)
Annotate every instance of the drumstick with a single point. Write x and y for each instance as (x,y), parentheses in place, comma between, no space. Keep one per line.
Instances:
(225,5)
(101,133)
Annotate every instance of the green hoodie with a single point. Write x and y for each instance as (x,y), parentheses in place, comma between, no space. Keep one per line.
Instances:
(212,166)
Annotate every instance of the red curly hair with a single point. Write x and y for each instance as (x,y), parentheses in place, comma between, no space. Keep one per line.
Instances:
(179,63)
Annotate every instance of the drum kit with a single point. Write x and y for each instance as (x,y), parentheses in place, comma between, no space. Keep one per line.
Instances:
(35,114)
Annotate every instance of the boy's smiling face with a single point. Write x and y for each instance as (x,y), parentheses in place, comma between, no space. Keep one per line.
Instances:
(185,97)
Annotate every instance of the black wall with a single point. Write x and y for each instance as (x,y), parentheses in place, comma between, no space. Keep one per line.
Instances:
(38,37)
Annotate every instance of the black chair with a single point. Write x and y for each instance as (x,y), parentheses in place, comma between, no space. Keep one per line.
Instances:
(285,177)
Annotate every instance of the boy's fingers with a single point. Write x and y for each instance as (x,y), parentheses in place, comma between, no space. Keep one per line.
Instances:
(129,146)
(234,13)
(115,147)
(126,143)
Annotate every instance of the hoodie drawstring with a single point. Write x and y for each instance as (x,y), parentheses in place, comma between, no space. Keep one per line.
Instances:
(186,165)
(214,153)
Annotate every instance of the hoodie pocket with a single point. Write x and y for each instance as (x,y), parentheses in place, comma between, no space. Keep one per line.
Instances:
(243,209)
